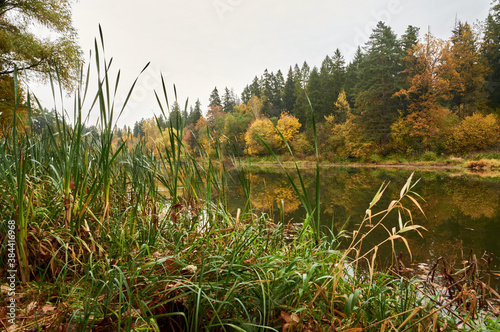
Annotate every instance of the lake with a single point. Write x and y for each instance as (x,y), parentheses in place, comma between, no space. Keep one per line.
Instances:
(462,210)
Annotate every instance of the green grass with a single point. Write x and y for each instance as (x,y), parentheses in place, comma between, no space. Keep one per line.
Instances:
(102,248)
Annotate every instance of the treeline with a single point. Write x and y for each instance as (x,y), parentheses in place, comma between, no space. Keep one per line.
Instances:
(409,95)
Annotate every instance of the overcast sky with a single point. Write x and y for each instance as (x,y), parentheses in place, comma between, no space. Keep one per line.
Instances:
(200,44)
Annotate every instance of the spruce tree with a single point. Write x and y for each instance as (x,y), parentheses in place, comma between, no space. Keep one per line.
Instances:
(491,47)
(246,95)
(214,99)
(255,88)
(228,101)
(195,113)
(379,79)
(289,92)
(352,77)
(314,92)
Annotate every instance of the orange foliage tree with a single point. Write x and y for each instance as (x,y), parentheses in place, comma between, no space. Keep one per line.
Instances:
(425,125)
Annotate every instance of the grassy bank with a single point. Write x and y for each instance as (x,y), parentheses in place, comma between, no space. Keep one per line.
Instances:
(99,247)
(477,162)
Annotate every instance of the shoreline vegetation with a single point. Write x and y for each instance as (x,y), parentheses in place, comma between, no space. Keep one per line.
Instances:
(482,165)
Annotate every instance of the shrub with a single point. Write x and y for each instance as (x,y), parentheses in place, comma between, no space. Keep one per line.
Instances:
(429,156)
(475,133)
(375,158)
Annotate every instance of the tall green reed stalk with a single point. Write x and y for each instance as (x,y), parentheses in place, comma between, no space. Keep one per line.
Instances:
(105,100)
(313,212)
(15,164)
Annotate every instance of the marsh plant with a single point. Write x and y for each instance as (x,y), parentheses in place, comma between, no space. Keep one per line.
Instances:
(102,247)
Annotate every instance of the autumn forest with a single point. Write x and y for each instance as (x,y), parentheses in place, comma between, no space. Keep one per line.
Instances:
(406,95)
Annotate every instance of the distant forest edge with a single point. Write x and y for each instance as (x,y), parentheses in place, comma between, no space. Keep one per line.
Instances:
(406,95)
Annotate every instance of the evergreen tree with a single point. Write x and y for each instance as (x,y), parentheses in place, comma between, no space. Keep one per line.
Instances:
(409,39)
(491,47)
(175,117)
(138,130)
(305,71)
(379,79)
(255,89)
(162,121)
(331,74)
(289,92)
(314,92)
(301,107)
(246,94)
(278,84)
(325,103)
(228,101)
(352,77)
(267,93)
(214,99)
(195,114)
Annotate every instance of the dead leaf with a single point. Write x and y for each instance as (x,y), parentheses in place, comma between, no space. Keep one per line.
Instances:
(292,320)
(48,308)
(5,289)
(31,307)
(190,269)
(13,327)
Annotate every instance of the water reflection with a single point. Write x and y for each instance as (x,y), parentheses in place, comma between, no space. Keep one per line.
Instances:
(462,210)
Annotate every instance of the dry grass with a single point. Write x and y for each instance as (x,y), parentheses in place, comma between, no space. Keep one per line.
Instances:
(483,164)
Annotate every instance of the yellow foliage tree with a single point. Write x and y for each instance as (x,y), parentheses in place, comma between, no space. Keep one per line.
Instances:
(162,141)
(476,132)
(341,107)
(289,126)
(151,132)
(255,106)
(264,129)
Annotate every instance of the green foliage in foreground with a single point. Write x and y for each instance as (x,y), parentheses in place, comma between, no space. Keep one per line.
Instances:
(102,248)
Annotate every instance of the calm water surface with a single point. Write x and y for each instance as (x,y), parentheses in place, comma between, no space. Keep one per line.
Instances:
(462,210)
